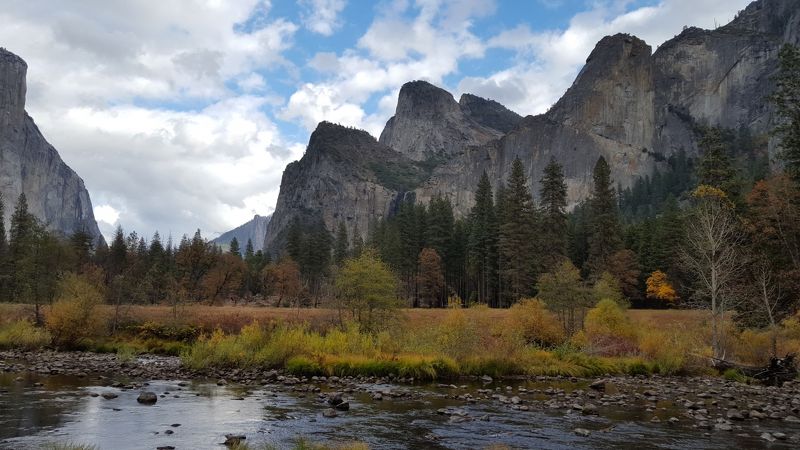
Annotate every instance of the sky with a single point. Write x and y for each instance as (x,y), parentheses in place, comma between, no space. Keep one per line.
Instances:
(182,114)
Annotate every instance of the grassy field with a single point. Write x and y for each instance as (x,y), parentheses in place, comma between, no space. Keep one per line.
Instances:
(232,318)
(421,343)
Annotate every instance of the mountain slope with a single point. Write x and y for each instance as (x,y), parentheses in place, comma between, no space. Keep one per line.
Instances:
(56,195)
(254,230)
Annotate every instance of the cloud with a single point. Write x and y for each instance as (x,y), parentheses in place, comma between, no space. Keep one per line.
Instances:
(403,43)
(322,16)
(139,100)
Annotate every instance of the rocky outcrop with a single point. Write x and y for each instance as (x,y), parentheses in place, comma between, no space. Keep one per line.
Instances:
(254,230)
(56,195)
(628,104)
(345,176)
(430,125)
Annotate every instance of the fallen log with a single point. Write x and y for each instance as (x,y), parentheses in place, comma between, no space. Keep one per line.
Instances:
(777,372)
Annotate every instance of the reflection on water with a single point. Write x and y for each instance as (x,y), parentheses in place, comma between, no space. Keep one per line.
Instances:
(34,411)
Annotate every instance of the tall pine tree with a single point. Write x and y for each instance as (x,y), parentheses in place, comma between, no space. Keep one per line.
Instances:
(605,236)
(716,167)
(517,234)
(553,233)
(483,242)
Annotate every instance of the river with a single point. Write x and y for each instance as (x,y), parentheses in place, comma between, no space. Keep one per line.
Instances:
(37,409)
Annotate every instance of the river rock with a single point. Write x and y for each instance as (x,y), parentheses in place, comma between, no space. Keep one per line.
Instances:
(734,414)
(335,398)
(582,432)
(109,395)
(598,385)
(343,406)
(147,398)
(329,413)
(234,439)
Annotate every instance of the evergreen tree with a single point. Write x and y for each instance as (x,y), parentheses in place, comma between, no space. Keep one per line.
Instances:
(554,215)
(578,230)
(605,233)
(483,241)
(294,240)
(439,226)
(517,235)
(716,167)
(117,254)
(233,249)
(81,245)
(248,250)
(340,247)
(787,102)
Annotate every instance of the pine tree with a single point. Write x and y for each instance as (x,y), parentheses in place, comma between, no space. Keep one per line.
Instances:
(517,235)
(787,102)
(553,235)
(340,247)
(716,166)
(117,254)
(81,245)
(605,233)
(233,248)
(483,241)
(294,240)
(248,250)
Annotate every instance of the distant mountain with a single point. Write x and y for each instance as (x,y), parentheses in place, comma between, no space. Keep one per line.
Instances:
(56,195)
(255,230)
(633,106)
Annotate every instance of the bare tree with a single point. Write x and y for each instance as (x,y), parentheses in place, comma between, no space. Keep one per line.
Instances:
(768,298)
(712,253)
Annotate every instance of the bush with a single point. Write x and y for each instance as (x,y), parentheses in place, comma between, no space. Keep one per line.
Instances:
(457,336)
(23,335)
(530,321)
(608,331)
(74,317)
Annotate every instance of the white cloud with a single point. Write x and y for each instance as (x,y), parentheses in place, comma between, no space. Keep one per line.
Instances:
(107,214)
(136,98)
(322,16)
(393,50)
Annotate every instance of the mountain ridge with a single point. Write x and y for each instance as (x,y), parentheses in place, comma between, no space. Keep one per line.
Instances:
(633,106)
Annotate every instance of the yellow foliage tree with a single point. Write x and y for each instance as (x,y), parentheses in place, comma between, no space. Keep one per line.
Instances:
(658,287)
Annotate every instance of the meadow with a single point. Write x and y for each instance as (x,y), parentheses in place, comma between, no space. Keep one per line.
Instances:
(525,340)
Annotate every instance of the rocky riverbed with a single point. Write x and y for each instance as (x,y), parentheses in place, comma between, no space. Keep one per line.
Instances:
(269,406)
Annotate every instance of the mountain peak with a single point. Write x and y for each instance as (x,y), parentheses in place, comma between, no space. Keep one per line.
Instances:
(422,99)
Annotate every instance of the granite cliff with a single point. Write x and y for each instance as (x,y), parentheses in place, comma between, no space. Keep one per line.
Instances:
(56,195)
(629,104)
(255,230)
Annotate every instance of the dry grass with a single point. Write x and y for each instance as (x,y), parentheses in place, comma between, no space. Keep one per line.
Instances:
(233,318)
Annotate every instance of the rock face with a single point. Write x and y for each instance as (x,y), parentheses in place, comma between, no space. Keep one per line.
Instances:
(56,195)
(345,176)
(254,230)
(429,125)
(628,104)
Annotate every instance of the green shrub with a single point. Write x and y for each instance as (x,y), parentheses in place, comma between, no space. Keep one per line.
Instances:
(23,335)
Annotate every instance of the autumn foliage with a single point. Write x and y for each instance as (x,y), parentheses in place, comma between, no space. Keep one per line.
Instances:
(659,288)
